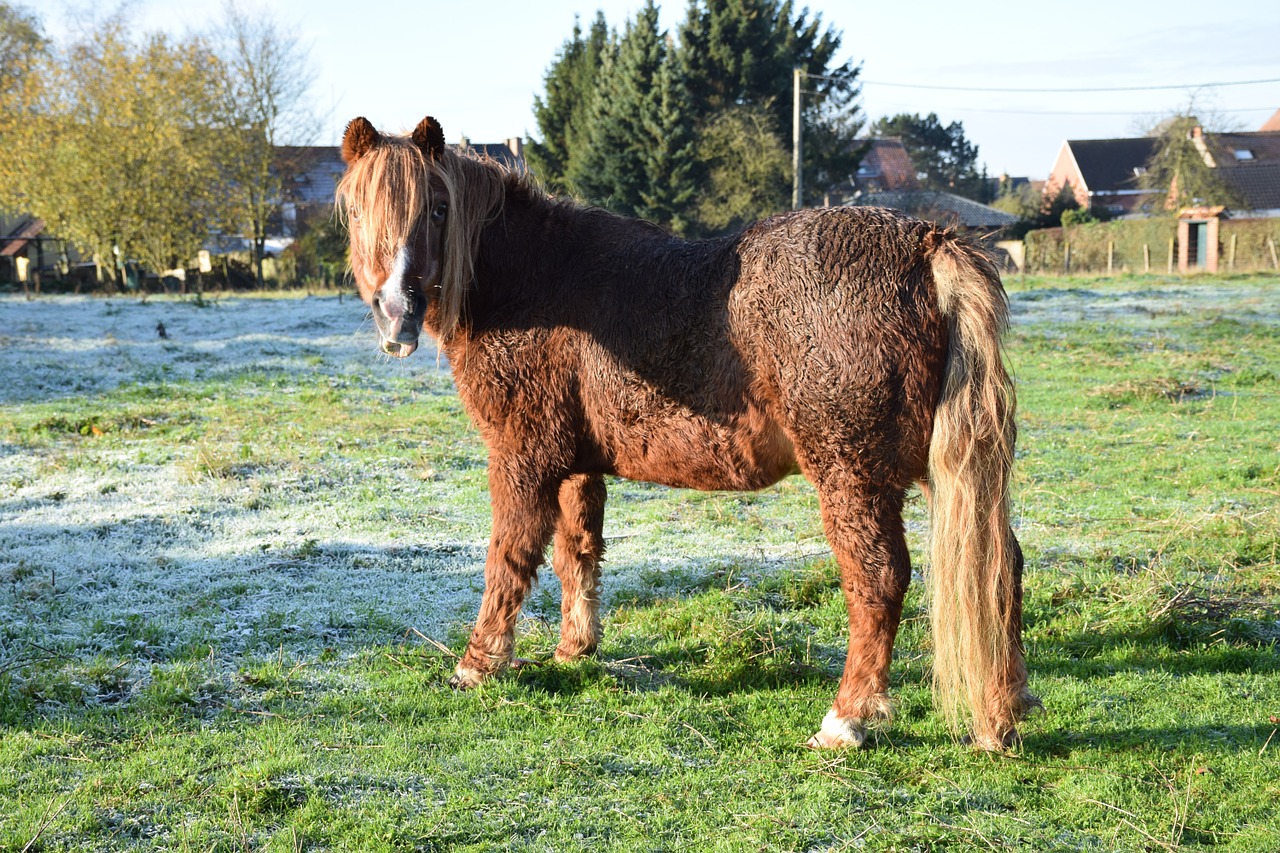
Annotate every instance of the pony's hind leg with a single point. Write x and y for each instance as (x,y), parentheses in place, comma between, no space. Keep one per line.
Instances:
(578,549)
(524,513)
(865,531)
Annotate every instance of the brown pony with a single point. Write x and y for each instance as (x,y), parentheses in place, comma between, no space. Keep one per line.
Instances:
(856,344)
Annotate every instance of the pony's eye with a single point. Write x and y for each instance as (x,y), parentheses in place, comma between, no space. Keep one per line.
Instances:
(437,215)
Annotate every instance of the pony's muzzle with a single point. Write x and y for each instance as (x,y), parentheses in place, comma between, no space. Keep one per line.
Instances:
(399,350)
(397,324)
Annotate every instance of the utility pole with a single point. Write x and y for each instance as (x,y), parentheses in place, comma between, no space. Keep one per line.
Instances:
(797,181)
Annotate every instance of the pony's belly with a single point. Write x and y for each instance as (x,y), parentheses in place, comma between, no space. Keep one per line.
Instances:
(740,454)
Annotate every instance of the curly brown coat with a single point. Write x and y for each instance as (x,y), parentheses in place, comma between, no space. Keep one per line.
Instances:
(856,345)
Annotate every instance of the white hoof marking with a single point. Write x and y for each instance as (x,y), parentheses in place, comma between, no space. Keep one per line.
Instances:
(838,733)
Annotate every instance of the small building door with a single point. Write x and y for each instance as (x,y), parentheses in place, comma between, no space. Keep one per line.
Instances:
(1196,255)
(1198,239)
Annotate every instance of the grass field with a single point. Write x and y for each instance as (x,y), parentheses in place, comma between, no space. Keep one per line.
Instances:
(236,564)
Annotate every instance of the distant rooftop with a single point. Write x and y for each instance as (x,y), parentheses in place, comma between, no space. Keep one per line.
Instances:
(937,206)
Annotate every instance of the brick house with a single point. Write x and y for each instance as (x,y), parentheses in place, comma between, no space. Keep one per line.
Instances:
(311,174)
(1105,174)
(886,167)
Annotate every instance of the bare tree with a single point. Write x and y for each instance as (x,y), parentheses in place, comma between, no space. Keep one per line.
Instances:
(1179,165)
(267,110)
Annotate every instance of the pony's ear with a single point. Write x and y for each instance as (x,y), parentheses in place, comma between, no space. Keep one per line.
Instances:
(359,140)
(429,136)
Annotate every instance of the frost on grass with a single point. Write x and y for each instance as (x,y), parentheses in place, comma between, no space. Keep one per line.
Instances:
(129,549)
(126,548)
(1143,307)
(104,550)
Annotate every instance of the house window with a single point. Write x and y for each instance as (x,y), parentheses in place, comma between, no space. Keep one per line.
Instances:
(1243,154)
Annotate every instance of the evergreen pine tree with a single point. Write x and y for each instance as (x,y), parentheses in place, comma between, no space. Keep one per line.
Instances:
(668,150)
(639,157)
(738,53)
(626,121)
(564,115)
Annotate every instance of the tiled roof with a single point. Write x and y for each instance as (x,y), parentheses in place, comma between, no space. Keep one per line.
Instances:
(1107,165)
(17,241)
(1255,147)
(499,151)
(1272,123)
(941,207)
(1257,183)
(313,172)
(887,166)
(316,169)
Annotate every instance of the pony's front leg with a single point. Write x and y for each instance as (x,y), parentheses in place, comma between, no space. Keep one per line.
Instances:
(523,518)
(579,547)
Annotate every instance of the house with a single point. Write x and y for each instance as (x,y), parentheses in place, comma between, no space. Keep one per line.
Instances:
(886,166)
(509,152)
(21,236)
(28,249)
(941,207)
(1248,163)
(311,173)
(1105,174)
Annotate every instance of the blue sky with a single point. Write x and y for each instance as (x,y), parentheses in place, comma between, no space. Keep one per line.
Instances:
(476,66)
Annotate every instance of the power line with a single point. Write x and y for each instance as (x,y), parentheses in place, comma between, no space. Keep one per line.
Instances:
(954,109)
(1042,91)
(1064,90)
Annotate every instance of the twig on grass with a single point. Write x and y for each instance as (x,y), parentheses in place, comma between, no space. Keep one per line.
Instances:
(940,822)
(709,744)
(45,820)
(830,774)
(502,700)
(439,645)
(19,664)
(1177,599)
(1166,845)
(1265,745)
(397,660)
(246,711)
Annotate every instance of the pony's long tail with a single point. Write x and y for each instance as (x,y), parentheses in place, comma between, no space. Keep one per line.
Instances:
(975,583)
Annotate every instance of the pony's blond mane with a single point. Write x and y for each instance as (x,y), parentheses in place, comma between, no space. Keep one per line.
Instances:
(385,193)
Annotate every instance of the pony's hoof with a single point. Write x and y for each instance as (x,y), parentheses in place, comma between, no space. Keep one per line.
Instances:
(993,743)
(464,678)
(838,733)
(564,655)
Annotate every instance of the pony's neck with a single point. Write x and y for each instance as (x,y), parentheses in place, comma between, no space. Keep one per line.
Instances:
(544,262)
(539,245)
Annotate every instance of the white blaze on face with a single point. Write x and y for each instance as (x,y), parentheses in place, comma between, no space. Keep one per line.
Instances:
(392,294)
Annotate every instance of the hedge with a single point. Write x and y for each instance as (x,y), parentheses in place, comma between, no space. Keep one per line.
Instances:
(1046,249)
